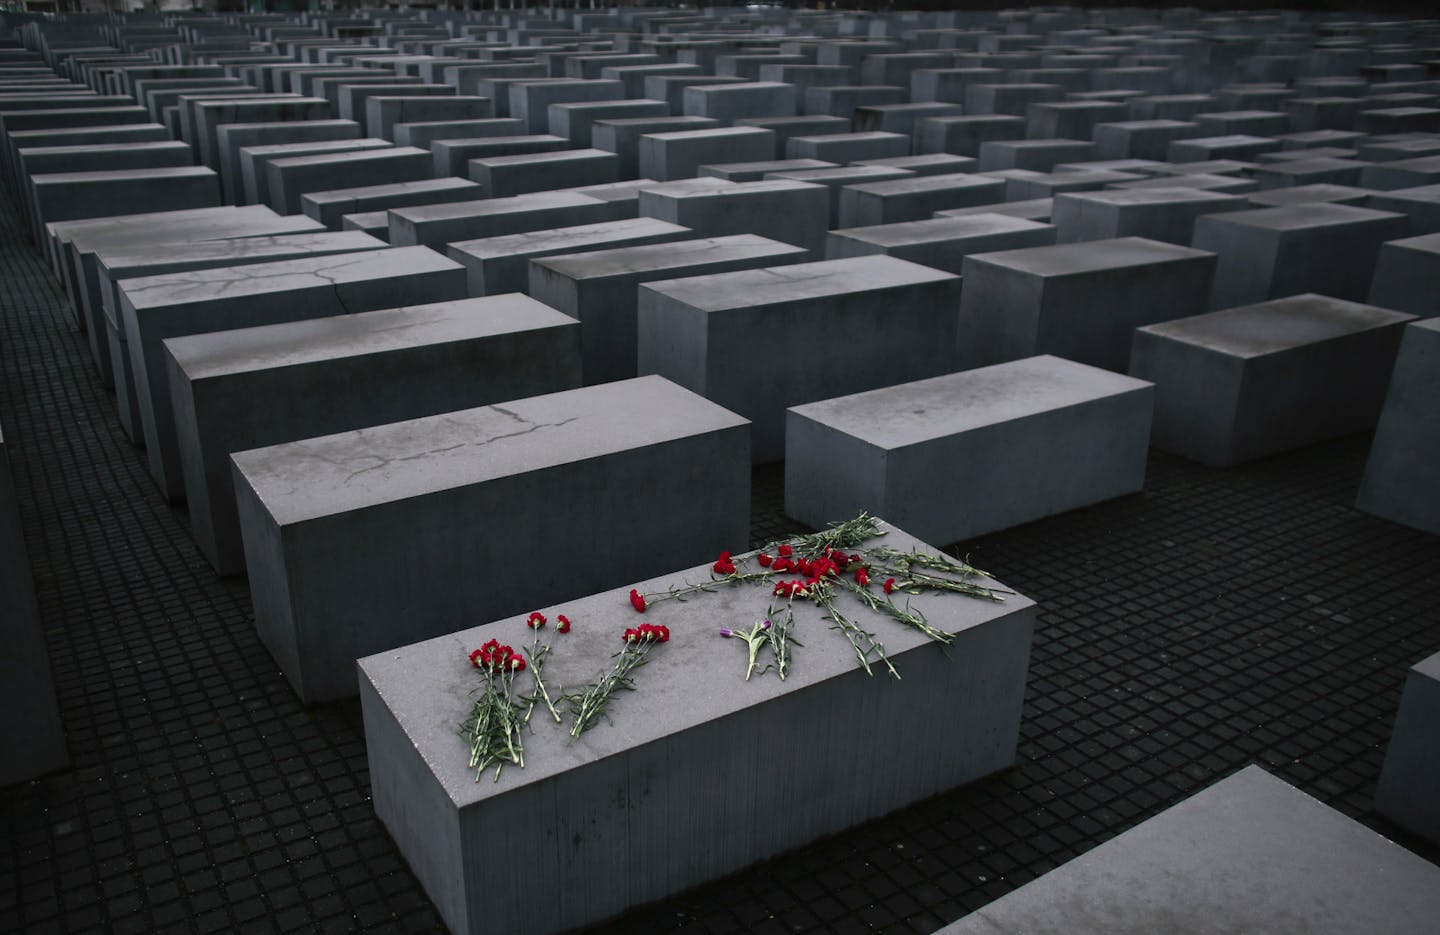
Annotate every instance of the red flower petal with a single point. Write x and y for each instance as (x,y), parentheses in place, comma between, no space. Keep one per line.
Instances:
(764,560)
(637,600)
(785,551)
(562,623)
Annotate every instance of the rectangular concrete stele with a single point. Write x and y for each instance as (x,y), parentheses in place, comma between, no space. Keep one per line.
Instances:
(757,341)
(1248,854)
(1412,760)
(438,225)
(757,171)
(1035,155)
(870,203)
(1406,274)
(792,212)
(1242,383)
(942,242)
(506,176)
(1421,204)
(622,795)
(576,122)
(73,196)
(383,112)
(452,156)
(600,288)
(424,133)
(232,137)
(32,733)
(153,308)
(969,453)
(496,265)
(622,136)
(731,102)
(252,387)
(363,541)
(847,147)
(255,161)
(530,101)
(1399,482)
(679,154)
(1079,301)
(121,262)
(1155,213)
(1268,253)
(290,178)
(787,128)
(1303,194)
(328,207)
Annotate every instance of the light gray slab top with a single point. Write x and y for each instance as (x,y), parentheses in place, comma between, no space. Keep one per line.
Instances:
(122,176)
(121,258)
(1301,217)
(624,261)
(339,159)
(1278,325)
(335,474)
(913,413)
(1123,197)
(449,183)
(926,183)
(562,238)
(289,344)
(1092,256)
(694,679)
(803,281)
(181,226)
(1249,854)
(230,282)
(941,229)
(515,203)
(1429,667)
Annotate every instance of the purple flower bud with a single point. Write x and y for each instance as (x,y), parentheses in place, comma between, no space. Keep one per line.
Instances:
(726,631)
(765,625)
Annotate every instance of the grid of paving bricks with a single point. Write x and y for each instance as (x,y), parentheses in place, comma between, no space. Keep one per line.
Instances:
(1218,619)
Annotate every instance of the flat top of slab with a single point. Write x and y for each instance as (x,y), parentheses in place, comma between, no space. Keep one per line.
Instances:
(624,261)
(940,230)
(301,342)
(126,255)
(1248,854)
(1320,191)
(926,183)
(772,165)
(231,282)
(560,238)
(1425,193)
(694,679)
(1154,196)
(1429,667)
(1300,216)
(1278,325)
(751,288)
(314,146)
(708,133)
(336,474)
(180,226)
(918,412)
(515,203)
(449,183)
(558,155)
(379,154)
(122,175)
(842,174)
(1091,256)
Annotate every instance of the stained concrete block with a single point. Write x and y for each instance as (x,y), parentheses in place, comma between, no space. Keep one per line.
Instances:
(1411,773)
(1248,854)
(870,203)
(942,242)
(31,731)
(757,341)
(1154,213)
(1268,253)
(74,196)
(688,729)
(438,225)
(253,387)
(969,453)
(1247,382)
(1080,301)
(1399,482)
(793,212)
(496,265)
(1406,274)
(328,207)
(600,288)
(153,308)
(363,541)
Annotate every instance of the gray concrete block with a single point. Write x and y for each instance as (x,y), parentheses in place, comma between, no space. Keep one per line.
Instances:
(679,154)
(153,308)
(787,128)
(1140,139)
(1320,192)
(963,136)
(424,133)
(757,171)
(843,100)
(288,179)
(622,136)
(942,242)
(530,101)
(1248,854)
(1421,204)
(1154,213)
(1411,773)
(31,731)
(600,288)
(838,179)
(328,207)
(757,341)
(255,160)
(1035,155)
(1406,274)
(1402,173)
(1080,301)
(1268,253)
(74,196)
(253,387)
(452,156)
(575,122)
(1399,482)
(972,452)
(230,138)
(671,88)
(870,203)
(496,265)
(1247,382)
(396,525)
(728,103)
(686,730)
(438,225)
(848,147)
(1228,146)
(384,112)
(924,163)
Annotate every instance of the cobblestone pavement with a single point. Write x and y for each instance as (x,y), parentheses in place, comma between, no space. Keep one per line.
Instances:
(1218,619)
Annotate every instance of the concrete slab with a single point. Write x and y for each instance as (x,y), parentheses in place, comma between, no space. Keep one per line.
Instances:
(1399,481)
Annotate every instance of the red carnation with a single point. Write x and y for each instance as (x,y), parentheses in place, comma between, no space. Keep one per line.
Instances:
(764,560)
(631,635)
(536,621)
(637,601)
(785,551)
(476,656)
(663,633)
(562,623)
(889,585)
(862,576)
(724,566)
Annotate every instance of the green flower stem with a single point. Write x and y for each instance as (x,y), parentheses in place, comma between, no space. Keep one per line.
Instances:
(590,703)
(538,654)
(714,584)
